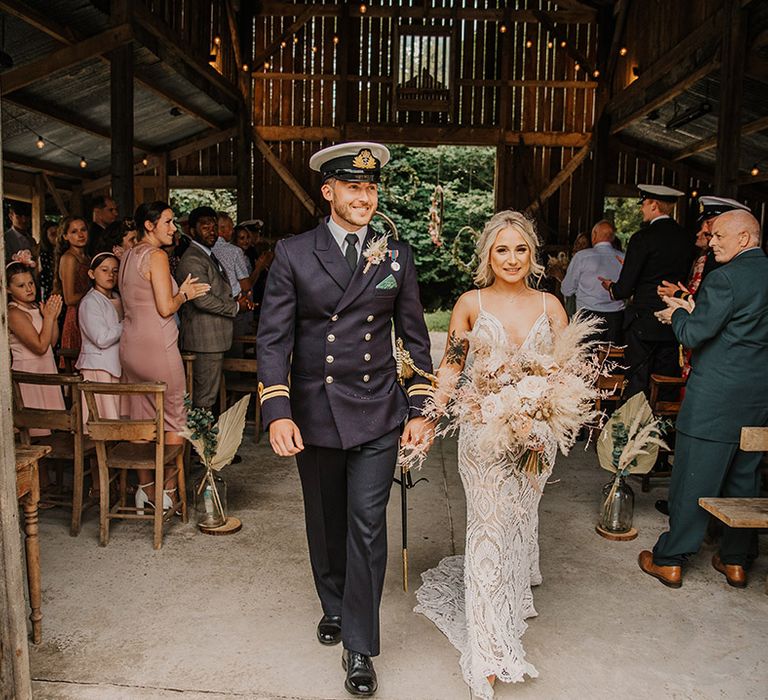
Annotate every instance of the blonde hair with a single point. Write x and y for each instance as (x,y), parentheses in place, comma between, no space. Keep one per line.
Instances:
(517,221)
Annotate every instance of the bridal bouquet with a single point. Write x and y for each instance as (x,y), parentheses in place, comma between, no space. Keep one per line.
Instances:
(524,403)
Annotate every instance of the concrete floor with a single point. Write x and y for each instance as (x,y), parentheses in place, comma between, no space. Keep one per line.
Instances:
(234,617)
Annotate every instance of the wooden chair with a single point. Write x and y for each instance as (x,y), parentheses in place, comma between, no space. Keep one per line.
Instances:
(235,387)
(743,512)
(189,361)
(67,441)
(663,409)
(133,444)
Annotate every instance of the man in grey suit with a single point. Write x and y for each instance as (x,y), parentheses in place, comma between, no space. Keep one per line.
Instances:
(206,322)
(727,328)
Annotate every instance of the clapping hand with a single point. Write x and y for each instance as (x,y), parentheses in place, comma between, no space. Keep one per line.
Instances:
(192,289)
(673,304)
(52,307)
(669,289)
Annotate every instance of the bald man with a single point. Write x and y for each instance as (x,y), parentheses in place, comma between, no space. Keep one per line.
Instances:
(727,328)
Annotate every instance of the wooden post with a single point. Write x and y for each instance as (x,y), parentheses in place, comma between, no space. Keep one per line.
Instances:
(733,56)
(244,159)
(15,680)
(121,88)
(607,28)
(38,206)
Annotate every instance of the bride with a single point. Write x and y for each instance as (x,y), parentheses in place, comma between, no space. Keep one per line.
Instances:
(480,600)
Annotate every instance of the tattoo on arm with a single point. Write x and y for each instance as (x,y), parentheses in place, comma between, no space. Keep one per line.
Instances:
(457,349)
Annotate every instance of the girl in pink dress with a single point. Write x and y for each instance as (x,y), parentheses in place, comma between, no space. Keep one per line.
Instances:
(33,331)
(149,350)
(72,275)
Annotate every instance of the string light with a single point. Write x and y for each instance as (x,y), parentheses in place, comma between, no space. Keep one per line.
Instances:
(694,193)
(267,65)
(595,73)
(623,51)
(502,28)
(335,39)
(245,67)
(283,44)
(217,40)
(363,9)
(83,162)
(577,66)
(40,143)
(314,49)
(550,44)
(145,161)
(528,44)
(563,44)
(295,40)
(755,171)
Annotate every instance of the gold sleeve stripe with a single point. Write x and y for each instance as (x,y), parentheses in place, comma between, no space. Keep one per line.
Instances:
(267,389)
(274,395)
(421,390)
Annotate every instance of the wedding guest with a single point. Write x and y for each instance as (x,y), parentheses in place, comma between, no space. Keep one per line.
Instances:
(118,237)
(582,279)
(231,256)
(33,332)
(72,275)
(149,350)
(103,213)
(47,259)
(727,328)
(661,250)
(101,324)
(18,236)
(207,323)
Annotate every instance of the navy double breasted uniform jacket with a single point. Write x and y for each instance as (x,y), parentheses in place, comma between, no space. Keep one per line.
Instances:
(325,347)
(661,251)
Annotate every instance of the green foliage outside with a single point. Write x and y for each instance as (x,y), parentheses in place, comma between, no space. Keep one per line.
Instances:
(467,175)
(437,320)
(626,216)
(184,201)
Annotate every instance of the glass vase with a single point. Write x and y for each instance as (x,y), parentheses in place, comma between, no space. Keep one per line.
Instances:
(618,506)
(211,500)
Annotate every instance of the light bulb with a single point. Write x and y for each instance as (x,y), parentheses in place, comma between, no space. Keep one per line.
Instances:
(245,67)
(363,9)
(563,44)
(595,73)
(335,39)
(217,40)
(694,193)
(755,171)
(576,66)
(145,161)
(283,44)
(550,45)
(295,40)
(314,49)
(528,44)
(83,162)
(623,51)
(266,66)
(503,28)
(40,143)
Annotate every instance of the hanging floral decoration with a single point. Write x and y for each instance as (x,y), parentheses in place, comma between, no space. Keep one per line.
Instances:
(466,267)
(436,215)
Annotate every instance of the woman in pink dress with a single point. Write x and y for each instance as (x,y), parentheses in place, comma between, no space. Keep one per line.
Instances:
(149,349)
(33,331)
(72,275)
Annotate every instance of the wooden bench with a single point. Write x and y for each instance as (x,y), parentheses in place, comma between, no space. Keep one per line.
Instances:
(743,512)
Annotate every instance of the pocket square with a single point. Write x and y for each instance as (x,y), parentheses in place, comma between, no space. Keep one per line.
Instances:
(388,282)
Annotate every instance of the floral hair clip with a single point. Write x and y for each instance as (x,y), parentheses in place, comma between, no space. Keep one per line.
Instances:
(23,257)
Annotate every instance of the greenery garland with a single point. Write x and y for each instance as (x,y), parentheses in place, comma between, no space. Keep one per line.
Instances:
(469,267)
(436,215)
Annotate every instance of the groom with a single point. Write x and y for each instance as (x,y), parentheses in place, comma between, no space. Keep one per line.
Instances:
(330,396)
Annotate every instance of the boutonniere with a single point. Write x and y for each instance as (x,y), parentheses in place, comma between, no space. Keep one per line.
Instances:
(375,252)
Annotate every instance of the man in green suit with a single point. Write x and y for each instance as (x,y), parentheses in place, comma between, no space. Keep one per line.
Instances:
(727,328)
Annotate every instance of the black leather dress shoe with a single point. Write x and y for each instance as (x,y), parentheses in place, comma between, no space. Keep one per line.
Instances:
(662,506)
(361,676)
(329,630)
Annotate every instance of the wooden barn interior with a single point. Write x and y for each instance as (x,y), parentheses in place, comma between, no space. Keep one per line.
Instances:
(581,99)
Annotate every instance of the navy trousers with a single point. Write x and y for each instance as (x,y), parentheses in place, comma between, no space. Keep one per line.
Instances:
(707,469)
(345,506)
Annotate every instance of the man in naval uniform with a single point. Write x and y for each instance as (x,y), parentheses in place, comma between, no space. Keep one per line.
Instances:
(660,251)
(727,328)
(330,394)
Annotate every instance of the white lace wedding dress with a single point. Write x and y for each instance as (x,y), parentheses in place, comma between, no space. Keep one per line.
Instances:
(480,600)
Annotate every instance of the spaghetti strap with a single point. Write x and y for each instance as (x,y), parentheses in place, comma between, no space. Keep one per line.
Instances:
(480,299)
(544,300)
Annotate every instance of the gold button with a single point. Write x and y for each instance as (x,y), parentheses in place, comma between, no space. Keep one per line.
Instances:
(329,380)
(329,359)
(367,356)
(366,377)
(335,317)
(331,337)
(369,319)
(367,336)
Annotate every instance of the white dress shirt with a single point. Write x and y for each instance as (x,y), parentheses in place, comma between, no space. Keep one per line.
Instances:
(339,235)
(584,271)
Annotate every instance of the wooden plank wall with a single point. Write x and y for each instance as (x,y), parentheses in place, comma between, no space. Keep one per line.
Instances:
(301,86)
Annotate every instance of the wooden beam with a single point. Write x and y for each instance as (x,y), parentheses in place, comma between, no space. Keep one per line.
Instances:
(167,47)
(200,142)
(243,77)
(710,142)
(202,182)
(550,23)
(64,58)
(43,166)
(273,8)
(731,91)
(38,207)
(67,35)
(691,60)
(64,115)
(121,111)
(651,152)
(285,175)
(294,27)
(62,207)
(557,181)
(424,135)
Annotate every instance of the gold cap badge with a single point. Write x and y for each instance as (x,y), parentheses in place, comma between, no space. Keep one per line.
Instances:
(364,160)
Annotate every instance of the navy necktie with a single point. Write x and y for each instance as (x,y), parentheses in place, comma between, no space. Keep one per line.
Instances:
(351,253)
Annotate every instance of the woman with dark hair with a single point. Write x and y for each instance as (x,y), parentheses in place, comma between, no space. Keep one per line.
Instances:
(47,258)
(119,237)
(149,350)
(72,275)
